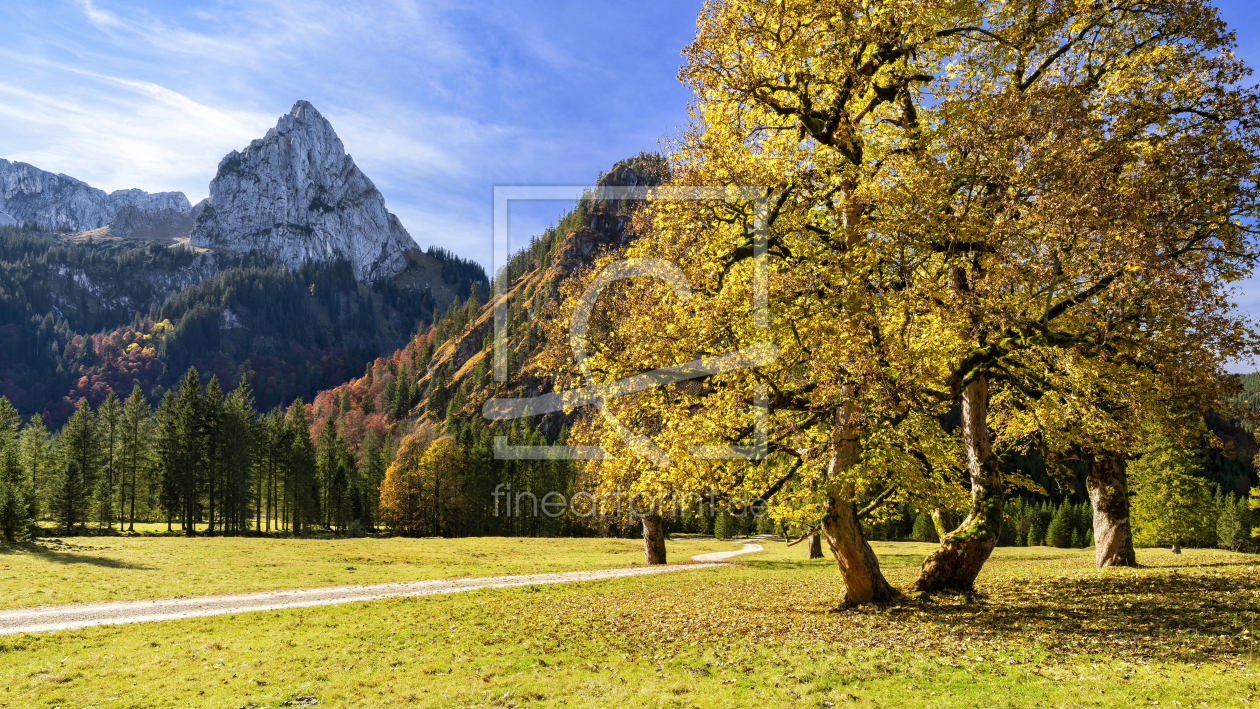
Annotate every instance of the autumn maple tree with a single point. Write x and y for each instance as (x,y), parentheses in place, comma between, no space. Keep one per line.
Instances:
(964,203)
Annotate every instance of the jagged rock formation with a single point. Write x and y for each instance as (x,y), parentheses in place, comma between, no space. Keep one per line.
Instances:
(29,194)
(296,195)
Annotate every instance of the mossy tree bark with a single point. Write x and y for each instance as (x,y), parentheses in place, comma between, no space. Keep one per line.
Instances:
(955,565)
(1108,487)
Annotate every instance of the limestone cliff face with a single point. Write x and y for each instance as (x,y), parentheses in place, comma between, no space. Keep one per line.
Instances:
(29,194)
(297,196)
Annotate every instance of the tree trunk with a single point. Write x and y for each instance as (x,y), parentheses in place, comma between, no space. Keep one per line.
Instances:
(956,564)
(1109,494)
(1176,547)
(653,540)
(943,521)
(815,546)
(131,526)
(863,581)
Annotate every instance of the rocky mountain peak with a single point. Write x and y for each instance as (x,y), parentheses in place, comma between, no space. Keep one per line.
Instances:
(55,201)
(296,195)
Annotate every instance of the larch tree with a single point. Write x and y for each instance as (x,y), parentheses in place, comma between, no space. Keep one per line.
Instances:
(402,490)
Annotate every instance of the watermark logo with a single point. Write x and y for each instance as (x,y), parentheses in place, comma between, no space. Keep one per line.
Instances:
(635,506)
(599,393)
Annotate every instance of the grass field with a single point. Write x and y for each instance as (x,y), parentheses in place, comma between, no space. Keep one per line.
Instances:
(81,569)
(1049,630)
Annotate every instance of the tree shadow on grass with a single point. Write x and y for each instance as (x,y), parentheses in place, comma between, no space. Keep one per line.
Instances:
(1171,615)
(58,556)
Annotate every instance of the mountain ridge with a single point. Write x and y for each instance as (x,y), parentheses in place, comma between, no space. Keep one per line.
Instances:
(59,202)
(296,195)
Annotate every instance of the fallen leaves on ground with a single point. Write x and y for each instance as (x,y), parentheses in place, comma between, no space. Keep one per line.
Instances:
(1207,610)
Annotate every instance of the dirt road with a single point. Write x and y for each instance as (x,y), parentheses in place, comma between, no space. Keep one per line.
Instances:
(82,615)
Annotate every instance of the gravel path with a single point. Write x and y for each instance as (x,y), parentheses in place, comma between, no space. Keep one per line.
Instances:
(724,555)
(82,615)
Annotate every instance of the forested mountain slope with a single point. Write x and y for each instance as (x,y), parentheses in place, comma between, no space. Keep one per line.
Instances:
(82,319)
(437,383)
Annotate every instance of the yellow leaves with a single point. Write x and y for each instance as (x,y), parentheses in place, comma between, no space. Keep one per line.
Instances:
(1044,610)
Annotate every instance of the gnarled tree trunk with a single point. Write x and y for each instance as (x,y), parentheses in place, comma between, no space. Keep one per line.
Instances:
(943,521)
(863,581)
(653,540)
(1109,494)
(955,565)
(815,546)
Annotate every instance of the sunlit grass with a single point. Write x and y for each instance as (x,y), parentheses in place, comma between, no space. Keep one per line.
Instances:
(1048,630)
(80,569)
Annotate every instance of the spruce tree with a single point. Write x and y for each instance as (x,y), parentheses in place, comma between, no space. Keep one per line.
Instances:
(1229,523)
(79,456)
(135,452)
(17,506)
(187,444)
(236,449)
(372,466)
(108,417)
(923,529)
(304,496)
(326,461)
(36,461)
(1059,533)
(167,455)
(211,469)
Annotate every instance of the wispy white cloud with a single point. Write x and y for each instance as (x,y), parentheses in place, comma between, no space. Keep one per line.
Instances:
(117,133)
(437,100)
(255,31)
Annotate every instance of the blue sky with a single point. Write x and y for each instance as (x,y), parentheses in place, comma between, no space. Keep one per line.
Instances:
(437,101)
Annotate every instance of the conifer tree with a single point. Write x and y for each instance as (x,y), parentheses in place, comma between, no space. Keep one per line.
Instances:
(211,470)
(108,416)
(169,455)
(1231,533)
(188,448)
(134,453)
(17,506)
(924,530)
(1059,533)
(1172,502)
(304,496)
(36,461)
(372,466)
(236,450)
(79,458)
